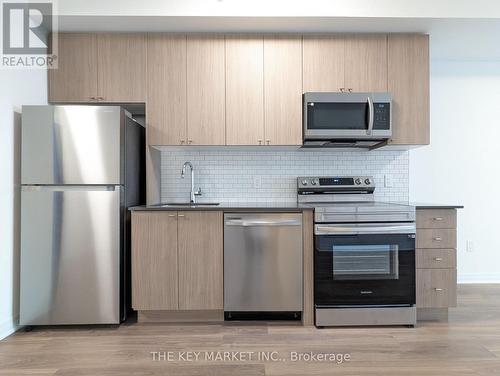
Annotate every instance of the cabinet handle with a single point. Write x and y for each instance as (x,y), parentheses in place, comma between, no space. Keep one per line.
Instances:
(438,218)
(350,90)
(100,98)
(268,142)
(260,142)
(190,142)
(342,89)
(182,142)
(181,215)
(438,239)
(437,289)
(93,98)
(438,259)
(172,215)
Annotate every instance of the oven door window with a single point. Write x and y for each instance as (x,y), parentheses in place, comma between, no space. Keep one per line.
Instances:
(365,261)
(337,116)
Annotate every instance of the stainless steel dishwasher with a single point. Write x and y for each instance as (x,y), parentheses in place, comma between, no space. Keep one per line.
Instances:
(262,265)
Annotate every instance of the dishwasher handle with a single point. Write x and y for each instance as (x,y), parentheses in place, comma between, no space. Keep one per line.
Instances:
(257,222)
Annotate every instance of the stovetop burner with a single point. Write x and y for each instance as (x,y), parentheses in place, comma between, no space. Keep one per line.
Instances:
(348,199)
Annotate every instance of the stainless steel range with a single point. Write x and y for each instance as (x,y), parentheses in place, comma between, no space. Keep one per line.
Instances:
(364,253)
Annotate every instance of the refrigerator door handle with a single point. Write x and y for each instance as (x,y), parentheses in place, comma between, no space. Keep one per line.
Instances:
(55,188)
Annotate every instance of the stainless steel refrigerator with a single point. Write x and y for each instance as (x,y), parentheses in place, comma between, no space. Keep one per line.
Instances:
(82,166)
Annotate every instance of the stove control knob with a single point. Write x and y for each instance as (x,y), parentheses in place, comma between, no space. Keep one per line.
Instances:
(313,182)
(357,181)
(304,182)
(367,181)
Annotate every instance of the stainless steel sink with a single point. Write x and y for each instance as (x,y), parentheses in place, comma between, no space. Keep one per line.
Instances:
(167,204)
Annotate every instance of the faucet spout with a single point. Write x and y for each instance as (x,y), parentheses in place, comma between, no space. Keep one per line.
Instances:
(193,193)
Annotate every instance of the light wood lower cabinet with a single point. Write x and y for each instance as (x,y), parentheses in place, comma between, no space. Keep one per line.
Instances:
(436,262)
(436,288)
(200,260)
(177,261)
(154,261)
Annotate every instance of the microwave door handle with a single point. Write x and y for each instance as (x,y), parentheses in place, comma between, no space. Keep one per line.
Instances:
(370,116)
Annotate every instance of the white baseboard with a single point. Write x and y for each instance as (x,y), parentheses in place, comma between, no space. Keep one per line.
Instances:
(8,326)
(478,278)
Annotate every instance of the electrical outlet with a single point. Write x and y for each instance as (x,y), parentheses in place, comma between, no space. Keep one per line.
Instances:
(257,182)
(388,182)
(469,246)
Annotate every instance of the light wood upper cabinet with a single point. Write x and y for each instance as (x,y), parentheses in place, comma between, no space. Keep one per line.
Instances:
(244,90)
(200,260)
(75,79)
(166,89)
(366,63)
(323,63)
(206,124)
(154,261)
(408,81)
(121,67)
(283,90)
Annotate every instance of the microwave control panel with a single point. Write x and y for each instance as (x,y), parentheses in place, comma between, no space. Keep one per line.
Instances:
(382,116)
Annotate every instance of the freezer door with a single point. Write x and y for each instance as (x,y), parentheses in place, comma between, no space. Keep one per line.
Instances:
(71,145)
(70,255)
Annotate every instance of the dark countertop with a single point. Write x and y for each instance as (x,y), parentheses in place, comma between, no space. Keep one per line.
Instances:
(426,205)
(227,206)
(268,206)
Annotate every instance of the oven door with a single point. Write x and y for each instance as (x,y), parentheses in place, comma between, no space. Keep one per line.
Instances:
(346,116)
(358,265)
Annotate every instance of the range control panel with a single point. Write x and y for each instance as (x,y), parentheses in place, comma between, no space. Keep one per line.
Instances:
(335,182)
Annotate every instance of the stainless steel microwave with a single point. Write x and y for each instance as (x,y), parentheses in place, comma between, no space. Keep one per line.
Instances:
(353,119)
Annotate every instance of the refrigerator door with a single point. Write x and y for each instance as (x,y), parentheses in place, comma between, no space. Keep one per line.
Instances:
(70,251)
(71,145)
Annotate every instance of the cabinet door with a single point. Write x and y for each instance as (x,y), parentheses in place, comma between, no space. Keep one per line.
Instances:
(206,123)
(283,90)
(244,90)
(436,288)
(121,67)
(408,82)
(323,63)
(166,93)
(200,260)
(366,63)
(75,79)
(154,261)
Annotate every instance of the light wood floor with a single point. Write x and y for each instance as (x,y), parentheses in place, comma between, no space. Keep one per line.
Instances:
(469,344)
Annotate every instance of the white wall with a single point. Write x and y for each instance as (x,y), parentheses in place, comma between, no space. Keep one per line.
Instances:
(462,164)
(17,87)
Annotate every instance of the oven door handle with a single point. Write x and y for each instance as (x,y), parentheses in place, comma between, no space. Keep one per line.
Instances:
(408,228)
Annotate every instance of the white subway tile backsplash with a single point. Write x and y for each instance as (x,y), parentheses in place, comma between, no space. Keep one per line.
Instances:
(228,176)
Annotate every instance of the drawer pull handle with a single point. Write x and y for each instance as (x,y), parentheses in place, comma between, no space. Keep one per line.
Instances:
(172,215)
(438,239)
(438,259)
(438,218)
(181,215)
(437,289)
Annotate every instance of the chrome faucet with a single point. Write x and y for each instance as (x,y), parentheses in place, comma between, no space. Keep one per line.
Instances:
(193,193)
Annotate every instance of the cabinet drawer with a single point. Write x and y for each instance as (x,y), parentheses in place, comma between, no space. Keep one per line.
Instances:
(436,288)
(436,218)
(436,238)
(436,258)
